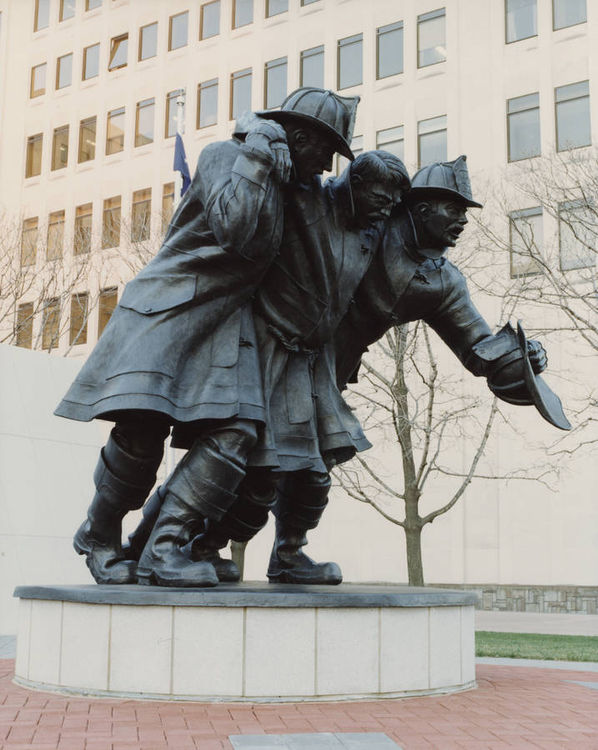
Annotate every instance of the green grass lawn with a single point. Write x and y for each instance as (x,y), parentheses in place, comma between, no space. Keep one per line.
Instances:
(536,646)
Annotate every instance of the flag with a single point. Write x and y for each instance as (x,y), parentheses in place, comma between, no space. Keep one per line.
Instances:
(180,163)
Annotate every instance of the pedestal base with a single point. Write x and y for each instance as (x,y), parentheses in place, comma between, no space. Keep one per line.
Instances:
(246,642)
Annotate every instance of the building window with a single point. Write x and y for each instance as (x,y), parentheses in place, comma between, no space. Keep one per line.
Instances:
(141,215)
(115,131)
(312,67)
(42,15)
(523,127)
(568,13)
(242,13)
(308,2)
(60,148)
(521,20)
(389,50)
(79,315)
(91,62)
(207,103)
(51,324)
(178,30)
(87,140)
(144,122)
(82,238)
(25,325)
(167,205)
(29,242)
(119,50)
(392,140)
(209,21)
(526,241)
(64,71)
(111,223)
(55,235)
(572,107)
(148,41)
(275,82)
(577,235)
(274,7)
(349,60)
(431,140)
(171,113)
(38,80)
(33,166)
(431,38)
(240,92)
(67,10)
(106,304)
(92,4)
(356,147)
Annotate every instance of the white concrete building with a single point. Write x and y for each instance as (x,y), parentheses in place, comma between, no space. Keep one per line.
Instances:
(87,107)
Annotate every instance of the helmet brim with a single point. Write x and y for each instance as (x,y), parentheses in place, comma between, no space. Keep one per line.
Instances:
(282,116)
(421,193)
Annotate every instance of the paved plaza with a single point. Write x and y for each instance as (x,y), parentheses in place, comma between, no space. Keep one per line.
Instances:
(513,707)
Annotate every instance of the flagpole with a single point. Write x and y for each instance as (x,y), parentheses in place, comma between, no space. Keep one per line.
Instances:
(180,120)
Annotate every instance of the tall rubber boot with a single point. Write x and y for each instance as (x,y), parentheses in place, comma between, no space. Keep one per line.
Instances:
(122,483)
(138,538)
(203,485)
(301,500)
(249,513)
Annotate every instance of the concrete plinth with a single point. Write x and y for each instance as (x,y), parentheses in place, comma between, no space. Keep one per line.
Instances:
(246,642)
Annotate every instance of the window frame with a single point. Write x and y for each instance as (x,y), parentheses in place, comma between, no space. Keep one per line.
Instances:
(140,42)
(31,141)
(55,218)
(270,65)
(60,130)
(268,14)
(84,57)
(111,227)
(568,206)
(234,16)
(380,32)
(346,42)
(111,114)
(58,71)
(560,149)
(528,109)
(430,132)
(202,22)
(321,51)
(421,19)
(41,92)
(513,216)
(238,75)
(51,312)
(24,322)
(36,26)
(381,145)
(171,96)
(78,337)
(115,43)
(84,123)
(570,25)
(110,293)
(141,197)
(519,39)
(204,86)
(170,22)
(142,105)
(61,8)
(29,228)
(81,239)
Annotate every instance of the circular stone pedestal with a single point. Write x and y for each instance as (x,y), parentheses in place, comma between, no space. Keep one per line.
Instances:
(246,642)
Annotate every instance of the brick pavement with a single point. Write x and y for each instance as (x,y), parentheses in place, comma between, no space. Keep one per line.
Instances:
(513,707)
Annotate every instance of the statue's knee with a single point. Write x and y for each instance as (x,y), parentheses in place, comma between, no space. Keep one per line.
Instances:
(236,440)
(141,439)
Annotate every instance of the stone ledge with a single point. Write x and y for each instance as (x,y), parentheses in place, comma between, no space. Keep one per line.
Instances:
(254,594)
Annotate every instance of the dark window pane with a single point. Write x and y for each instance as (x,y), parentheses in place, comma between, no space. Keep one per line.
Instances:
(274,7)
(521,19)
(210,20)
(60,148)
(115,131)
(178,30)
(240,93)
(144,122)
(33,166)
(87,139)
(79,316)
(207,103)
(390,50)
(106,304)
(431,38)
(569,13)
(276,82)
(242,13)
(91,61)
(523,127)
(350,66)
(148,41)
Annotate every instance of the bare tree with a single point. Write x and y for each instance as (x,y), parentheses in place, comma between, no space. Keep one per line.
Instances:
(420,416)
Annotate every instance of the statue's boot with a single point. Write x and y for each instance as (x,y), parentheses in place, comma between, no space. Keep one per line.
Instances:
(122,483)
(301,500)
(138,538)
(249,513)
(203,485)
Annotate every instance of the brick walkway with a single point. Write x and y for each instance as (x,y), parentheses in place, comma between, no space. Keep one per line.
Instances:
(514,707)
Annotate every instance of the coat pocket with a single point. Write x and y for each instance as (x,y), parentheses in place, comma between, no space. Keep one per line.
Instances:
(155,294)
(225,341)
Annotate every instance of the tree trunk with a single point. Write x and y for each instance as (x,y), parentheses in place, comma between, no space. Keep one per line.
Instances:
(413,535)
(237,550)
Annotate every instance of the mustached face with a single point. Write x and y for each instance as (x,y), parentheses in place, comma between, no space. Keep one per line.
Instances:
(442,221)
(311,152)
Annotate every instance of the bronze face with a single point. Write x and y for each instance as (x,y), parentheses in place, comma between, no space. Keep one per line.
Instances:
(311,152)
(441,222)
(373,200)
